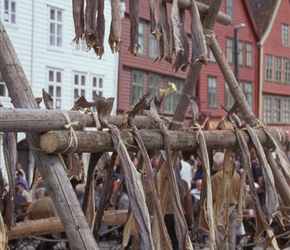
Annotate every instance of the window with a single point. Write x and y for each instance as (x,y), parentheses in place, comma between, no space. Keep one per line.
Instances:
(153,85)
(248,92)
(277,109)
(153,46)
(285,34)
(230,50)
(55,27)
(137,86)
(278,69)
(81,46)
(229,97)
(269,67)
(97,86)
(249,54)
(79,85)
(229,8)
(286,110)
(54,86)
(10,11)
(210,54)
(287,71)
(3,89)
(171,101)
(268,109)
(240,53)
(141,38)
(212,92)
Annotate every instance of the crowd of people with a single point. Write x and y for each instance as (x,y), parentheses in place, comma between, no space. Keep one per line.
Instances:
(190,168)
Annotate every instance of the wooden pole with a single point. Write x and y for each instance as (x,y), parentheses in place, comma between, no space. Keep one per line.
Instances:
(54,225)
(222,18)
(101,141)
(39,120)
(50,168)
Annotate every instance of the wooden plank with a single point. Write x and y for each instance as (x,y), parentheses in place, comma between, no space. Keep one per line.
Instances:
(39,120)
(101,141)
(54,225)
(50,168)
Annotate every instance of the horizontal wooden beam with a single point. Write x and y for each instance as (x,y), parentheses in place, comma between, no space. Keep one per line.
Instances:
(43,120)
(93,141)
(54,225)
(222,18)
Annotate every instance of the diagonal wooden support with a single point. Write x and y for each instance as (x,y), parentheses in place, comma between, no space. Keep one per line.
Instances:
(50,168)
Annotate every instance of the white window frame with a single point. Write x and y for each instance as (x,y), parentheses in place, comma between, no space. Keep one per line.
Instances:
(97,85)
(141,39)
(249,54)
(278,69)
(154,84)
(285,35)
(137,87)
(286,110)
(277,109)
(287,71)
(268,109)
(230,50)
(8,13)
(229,99)
(269,67)
(54,86)
(79,85)
(248,92)
(212,92)
(153,46)
(171,101)
(230,8)
(55,40)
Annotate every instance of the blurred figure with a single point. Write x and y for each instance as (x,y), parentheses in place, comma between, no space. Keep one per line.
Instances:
(185,170)
(256,168)
(155,163)
(19,168)
(19,178)
(196,191)
(20,189)
(233,196)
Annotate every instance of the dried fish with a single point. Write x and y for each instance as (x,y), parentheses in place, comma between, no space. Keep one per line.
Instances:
(91,31)
(78,16)
(99,46)
(271,200)
(47,99)
(165,50)
(3,236)
(199,49)
(134,187)
(177,26)
(115,30)
(134,27)
(154,22)
(182,58)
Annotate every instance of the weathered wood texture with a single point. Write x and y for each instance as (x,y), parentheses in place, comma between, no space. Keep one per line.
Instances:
(54,225)
(50,168)
(203,9)
(91,141)
(39,120)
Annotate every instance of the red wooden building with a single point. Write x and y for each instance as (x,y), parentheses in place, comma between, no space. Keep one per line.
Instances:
(139,75)
(273,19)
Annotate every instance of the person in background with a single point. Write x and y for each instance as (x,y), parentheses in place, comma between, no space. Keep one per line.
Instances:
(21,191)
(19,178)
(256,169)
(19,168)
(155,163)
(196,191)
(233,196)
(185,171)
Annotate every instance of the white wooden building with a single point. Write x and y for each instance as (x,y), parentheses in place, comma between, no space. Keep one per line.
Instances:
(42,32)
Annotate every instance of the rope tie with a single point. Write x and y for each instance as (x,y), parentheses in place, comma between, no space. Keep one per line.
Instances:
(73,137)
(209,36)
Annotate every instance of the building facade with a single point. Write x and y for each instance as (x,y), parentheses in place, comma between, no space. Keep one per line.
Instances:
(42,34)
(273,21)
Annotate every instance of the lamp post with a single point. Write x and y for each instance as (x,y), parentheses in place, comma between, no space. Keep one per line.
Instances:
(236,53)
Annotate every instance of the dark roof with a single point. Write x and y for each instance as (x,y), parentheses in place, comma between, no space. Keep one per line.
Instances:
(262,11)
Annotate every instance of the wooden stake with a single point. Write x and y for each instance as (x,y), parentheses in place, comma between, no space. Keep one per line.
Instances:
(50,168)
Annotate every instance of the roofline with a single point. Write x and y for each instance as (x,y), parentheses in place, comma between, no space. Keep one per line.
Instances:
(253,21)
(270,25)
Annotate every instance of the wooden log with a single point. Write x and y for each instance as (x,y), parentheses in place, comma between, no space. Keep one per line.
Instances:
(39,120)
(222,18)
(91,141)
(54,225)
(49,166)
